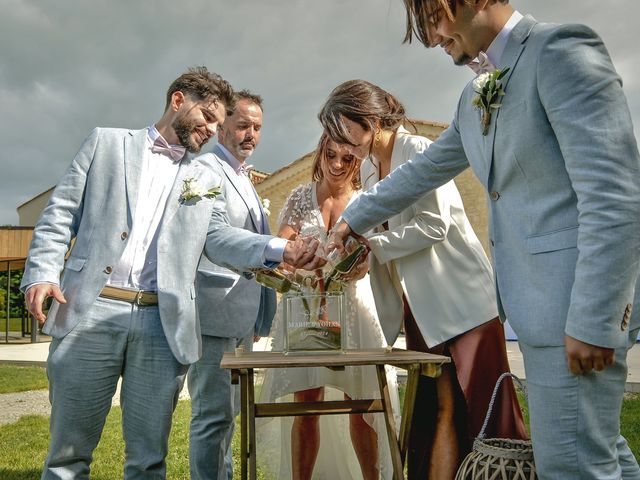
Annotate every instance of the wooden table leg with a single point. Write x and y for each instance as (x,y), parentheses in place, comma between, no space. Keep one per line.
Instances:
(396,459)
(413,374)
(244,411)
(251,411)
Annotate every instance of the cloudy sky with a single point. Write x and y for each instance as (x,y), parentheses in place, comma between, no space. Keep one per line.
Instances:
(69,65)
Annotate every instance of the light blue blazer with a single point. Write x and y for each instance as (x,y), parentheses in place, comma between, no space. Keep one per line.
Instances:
(229,304)
(94,203)
(561,168)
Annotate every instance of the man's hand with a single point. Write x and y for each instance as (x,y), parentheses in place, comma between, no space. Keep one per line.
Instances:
(37,294)
(301,253)
(338,236)
(584,357)
(359,271)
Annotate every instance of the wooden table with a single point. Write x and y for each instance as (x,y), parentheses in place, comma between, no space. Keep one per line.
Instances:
(242,366)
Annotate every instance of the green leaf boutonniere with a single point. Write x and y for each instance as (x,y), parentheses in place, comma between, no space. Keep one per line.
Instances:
(489,89)
(192,192)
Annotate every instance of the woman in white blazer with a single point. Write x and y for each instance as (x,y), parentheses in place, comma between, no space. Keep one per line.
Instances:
(429,271)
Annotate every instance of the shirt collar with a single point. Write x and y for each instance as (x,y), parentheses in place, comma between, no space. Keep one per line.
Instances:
(230,159)
(496,49)
(152,134)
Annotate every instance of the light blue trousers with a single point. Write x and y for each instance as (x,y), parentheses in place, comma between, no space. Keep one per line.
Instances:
(114,339)
(215,402)
(575,420)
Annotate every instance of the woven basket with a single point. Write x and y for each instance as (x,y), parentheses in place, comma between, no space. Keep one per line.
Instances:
(498,458)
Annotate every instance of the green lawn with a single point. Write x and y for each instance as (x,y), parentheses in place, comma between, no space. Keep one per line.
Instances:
(15,324)
(28,439)
(21,379)
(25,442)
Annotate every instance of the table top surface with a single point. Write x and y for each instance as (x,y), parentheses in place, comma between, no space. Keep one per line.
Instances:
(375,356)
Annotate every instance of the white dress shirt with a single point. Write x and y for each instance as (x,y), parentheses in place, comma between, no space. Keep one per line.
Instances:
(137,268)
(496,49)
(274,250)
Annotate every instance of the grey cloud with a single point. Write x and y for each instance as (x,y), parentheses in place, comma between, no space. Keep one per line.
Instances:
(69,65)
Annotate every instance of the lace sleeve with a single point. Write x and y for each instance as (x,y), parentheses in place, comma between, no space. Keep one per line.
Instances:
(295,208)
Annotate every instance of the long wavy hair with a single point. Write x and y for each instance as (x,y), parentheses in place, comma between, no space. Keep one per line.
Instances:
(320,156)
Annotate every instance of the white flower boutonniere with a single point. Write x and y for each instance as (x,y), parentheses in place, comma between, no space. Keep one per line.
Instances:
(266,203)
(192,192)
(489,89)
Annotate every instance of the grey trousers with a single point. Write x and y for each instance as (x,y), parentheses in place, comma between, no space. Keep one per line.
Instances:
(575,420)
(215,402)
(116,339)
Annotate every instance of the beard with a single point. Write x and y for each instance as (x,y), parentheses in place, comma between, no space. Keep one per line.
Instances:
(246,148)
(184,129)
(463,59)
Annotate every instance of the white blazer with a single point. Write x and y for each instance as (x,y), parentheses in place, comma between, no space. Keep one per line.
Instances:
(440,264)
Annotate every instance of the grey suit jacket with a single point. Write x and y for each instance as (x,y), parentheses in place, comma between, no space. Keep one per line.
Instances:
(229,304)
(95,202)
(561,165)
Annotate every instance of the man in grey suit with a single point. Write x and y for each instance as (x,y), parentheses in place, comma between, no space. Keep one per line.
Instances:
(141,212)
(556,154)
(232,309)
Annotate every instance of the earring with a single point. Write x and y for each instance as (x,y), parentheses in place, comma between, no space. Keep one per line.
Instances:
(377,137)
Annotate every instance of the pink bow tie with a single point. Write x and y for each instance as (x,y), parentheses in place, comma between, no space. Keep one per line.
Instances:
(482,64)
(176,152)
(245,169)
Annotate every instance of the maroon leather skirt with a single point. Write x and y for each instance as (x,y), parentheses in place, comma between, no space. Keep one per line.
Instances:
(479,357)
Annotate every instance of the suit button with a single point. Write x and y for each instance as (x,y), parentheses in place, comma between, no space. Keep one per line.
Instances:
(124,235)
(494,195)
(108,269)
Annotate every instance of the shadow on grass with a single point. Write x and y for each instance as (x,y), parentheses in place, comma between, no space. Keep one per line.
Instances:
(27,474)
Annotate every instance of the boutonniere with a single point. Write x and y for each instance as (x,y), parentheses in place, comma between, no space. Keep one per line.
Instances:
(266,203)
(192,192)
(490,92)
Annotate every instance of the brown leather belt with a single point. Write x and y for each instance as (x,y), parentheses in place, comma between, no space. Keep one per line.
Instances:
(138,297)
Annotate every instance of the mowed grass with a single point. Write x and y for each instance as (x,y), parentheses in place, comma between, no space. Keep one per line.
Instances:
(25,447)
(20,379)
(15,324)
(25,442)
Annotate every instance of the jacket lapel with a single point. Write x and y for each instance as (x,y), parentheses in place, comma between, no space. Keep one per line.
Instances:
(514,48)
(173,201)
(234,179)
(134,146)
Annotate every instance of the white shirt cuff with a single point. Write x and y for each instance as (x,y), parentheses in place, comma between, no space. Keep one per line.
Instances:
(274,251)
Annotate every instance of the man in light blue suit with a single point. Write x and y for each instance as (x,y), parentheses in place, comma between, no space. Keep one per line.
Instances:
(232,309)
(141,212)
(557,156)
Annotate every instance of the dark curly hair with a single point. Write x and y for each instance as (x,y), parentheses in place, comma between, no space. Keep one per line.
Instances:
(201,84)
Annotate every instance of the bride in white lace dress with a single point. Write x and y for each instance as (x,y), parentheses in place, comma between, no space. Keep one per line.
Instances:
(331,446)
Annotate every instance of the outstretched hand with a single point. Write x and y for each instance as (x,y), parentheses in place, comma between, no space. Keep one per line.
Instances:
(301,253)
(583,357)
(338,235)
(37,294)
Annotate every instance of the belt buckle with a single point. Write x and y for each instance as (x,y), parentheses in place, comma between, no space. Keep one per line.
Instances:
(138,300)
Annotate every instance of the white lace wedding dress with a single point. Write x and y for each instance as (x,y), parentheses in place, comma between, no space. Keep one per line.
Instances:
(336,459)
